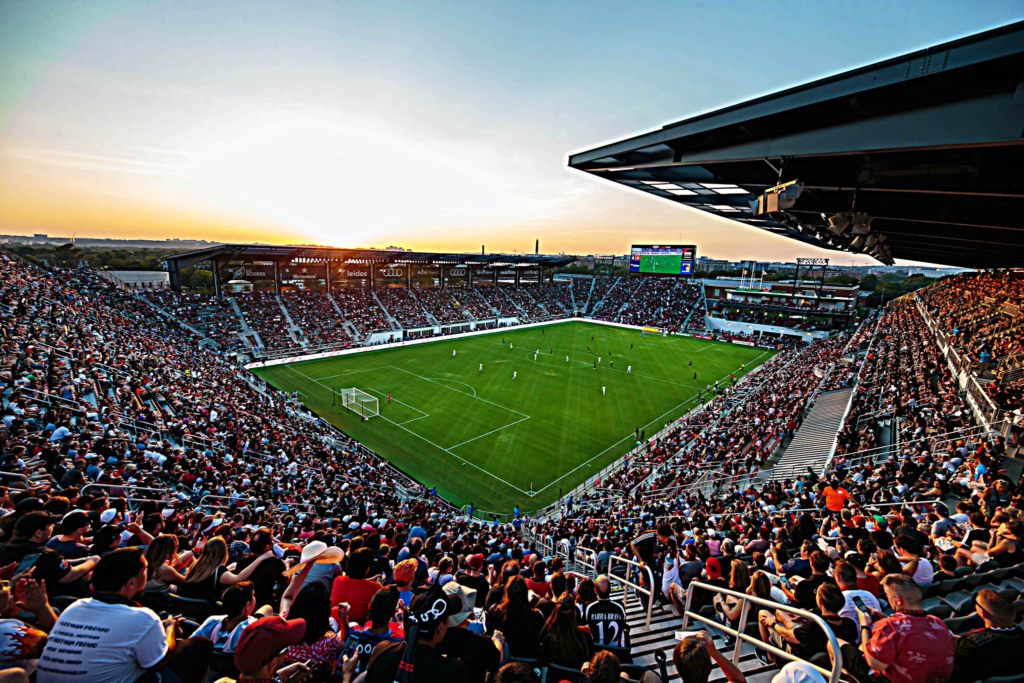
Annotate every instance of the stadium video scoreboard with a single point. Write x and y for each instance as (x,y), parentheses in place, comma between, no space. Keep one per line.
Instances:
(654,259)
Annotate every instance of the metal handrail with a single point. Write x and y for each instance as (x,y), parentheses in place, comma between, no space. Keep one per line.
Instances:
(581,552)
(740,632)
(626,584)
(128,489)
(216,497)
(17,475)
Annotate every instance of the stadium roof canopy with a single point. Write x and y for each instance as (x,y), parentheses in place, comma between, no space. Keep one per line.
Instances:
(929,145)
(226,253)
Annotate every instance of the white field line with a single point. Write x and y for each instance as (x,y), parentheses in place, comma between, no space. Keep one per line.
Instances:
(454,381)
(385,396)
(423,438)
(513,424)
(426,379)
(629,436)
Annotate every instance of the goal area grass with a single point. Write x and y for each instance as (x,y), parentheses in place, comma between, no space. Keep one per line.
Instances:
(530,425)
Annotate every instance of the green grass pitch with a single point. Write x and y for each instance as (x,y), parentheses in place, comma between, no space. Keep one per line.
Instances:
(481,436)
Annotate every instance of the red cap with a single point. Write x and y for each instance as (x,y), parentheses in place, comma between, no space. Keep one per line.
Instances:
(475,561)
(713,568)
(264,639)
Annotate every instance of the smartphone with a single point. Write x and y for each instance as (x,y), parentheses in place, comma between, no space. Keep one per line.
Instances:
(860,604)
(26,563)
(351,646)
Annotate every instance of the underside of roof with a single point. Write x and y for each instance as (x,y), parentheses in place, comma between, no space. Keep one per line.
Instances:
(929,147)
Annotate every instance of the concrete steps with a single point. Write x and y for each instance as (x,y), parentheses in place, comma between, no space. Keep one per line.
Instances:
(814,440)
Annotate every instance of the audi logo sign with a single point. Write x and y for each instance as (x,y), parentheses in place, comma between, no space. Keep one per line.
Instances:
(391,272)
(458,272)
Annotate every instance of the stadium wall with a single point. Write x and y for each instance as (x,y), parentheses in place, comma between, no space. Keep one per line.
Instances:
(458,335)
(738,327)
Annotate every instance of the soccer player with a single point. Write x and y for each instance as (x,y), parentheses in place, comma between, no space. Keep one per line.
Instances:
(534,356)
(611,363)
(588,348)
(599,359)
(602,391)
(389,397)
(481,367)
(567,359)
(595,365)
(691,364)
(510,347)
(453,353)
(629,369)
(514,374)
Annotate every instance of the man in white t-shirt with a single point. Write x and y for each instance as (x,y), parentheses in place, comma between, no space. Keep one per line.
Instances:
(846,576)
(110,638)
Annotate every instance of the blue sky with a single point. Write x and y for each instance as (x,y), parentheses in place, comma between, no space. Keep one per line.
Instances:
(424,124)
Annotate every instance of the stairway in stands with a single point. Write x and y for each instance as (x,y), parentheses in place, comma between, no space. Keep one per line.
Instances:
(814,440)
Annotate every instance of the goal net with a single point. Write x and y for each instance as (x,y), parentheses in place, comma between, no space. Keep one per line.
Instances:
(359,402)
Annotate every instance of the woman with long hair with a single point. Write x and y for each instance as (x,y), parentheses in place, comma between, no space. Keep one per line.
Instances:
(514,617)
(585,594)
(208,576)
(739,581)
(320,644)
(561,640)
(162,563)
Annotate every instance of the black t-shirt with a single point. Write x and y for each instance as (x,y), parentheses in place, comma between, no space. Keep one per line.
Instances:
(477,652)
(607,623)
(813,640)
(265,579)
(806,589)
(986,653)
(646,545)
(50,565)
(520,630)
(477,583)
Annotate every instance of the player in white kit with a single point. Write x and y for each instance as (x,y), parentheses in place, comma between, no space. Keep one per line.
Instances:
(453,353)
(629,369)
(514,374)
(481,367)
(602,391)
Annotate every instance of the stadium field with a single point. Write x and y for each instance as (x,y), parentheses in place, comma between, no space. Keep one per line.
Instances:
(482,437)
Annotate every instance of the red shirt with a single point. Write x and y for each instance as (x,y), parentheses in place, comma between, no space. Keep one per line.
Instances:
(357,593)
(917,649)
(538,587)
(869,584)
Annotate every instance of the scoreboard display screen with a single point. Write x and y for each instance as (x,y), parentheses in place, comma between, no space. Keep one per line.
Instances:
(653,259)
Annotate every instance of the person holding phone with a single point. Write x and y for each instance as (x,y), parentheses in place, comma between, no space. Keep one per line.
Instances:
(908,647)
(27,547)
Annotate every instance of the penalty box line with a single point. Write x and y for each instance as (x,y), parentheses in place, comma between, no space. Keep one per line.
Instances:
(423,438)
(667,412)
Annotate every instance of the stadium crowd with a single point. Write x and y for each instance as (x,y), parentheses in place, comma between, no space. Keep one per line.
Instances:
(163,517)
(316,316)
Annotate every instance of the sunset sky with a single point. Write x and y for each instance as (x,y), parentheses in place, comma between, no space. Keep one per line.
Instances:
(424,124)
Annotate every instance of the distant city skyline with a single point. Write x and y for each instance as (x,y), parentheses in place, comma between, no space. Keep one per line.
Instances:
(439,126)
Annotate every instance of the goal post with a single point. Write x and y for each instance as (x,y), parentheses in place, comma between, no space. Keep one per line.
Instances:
(359,402)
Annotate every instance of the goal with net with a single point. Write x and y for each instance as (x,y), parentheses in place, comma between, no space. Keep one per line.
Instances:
(359,402)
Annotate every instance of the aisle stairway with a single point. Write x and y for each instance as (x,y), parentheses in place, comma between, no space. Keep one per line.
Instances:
(814,439)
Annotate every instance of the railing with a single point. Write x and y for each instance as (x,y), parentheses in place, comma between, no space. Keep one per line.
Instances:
(740,631)
(203,503)
(165,493)
(17,475)
(627,584)
(581,557)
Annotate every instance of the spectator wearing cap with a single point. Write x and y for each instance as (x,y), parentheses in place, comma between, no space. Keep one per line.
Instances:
(354,587)
(473,578)
(480,654)
(908,647)
(993,650)
(109,637)
(260,653)
(30,534)
(405,574)
(73,528)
